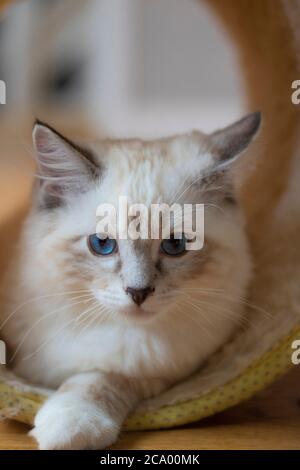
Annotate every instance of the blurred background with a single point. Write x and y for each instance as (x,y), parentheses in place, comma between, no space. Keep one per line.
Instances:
(112,67)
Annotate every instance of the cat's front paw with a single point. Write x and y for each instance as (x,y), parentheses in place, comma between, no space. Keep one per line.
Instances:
(69,422)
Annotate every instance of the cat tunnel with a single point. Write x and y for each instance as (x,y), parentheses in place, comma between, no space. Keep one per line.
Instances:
(265,36)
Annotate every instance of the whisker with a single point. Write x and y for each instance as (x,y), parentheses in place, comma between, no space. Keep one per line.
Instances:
(97,309)
(189,186)
(27,302)
(57,332)
(197,307)
(94,318)
(177,192)
(215,206)
(198,322)
(38,322)
(240,320)
(232,298)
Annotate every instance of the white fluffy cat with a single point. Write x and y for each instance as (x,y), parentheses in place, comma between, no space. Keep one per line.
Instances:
(111,328)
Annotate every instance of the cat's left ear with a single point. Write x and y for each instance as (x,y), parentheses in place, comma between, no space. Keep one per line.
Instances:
(229,143)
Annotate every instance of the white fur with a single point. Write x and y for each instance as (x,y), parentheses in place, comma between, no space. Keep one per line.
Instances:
(67,421)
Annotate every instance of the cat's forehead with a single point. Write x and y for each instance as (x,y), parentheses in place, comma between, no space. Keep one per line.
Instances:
(147,171)
(170,149)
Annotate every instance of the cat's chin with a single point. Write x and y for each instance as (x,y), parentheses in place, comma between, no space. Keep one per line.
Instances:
(138,313)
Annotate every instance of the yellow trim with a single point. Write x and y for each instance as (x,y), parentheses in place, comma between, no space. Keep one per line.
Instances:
(254,378)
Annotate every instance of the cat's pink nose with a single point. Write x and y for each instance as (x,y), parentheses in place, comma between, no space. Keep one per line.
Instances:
(139,295)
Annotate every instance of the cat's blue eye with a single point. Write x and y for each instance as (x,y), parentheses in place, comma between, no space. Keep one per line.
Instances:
(101,246)
(174,246)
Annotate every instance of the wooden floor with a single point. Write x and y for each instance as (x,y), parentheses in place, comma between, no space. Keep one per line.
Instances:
(269,421)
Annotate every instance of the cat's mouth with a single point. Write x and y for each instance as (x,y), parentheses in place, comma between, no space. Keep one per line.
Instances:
(128,310)
(138,312)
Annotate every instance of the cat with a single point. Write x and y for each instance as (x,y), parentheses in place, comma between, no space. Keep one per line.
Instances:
(110,323)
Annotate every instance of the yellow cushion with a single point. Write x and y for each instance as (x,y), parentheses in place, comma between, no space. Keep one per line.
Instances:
(23,406)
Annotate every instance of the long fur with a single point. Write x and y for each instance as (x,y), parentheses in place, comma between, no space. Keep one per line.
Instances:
(70,323)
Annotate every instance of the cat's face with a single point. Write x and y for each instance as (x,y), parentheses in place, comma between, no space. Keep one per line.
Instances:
(136,279)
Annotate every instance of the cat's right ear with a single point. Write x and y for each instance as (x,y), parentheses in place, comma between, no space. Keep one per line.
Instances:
(64,168)
(228,144)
